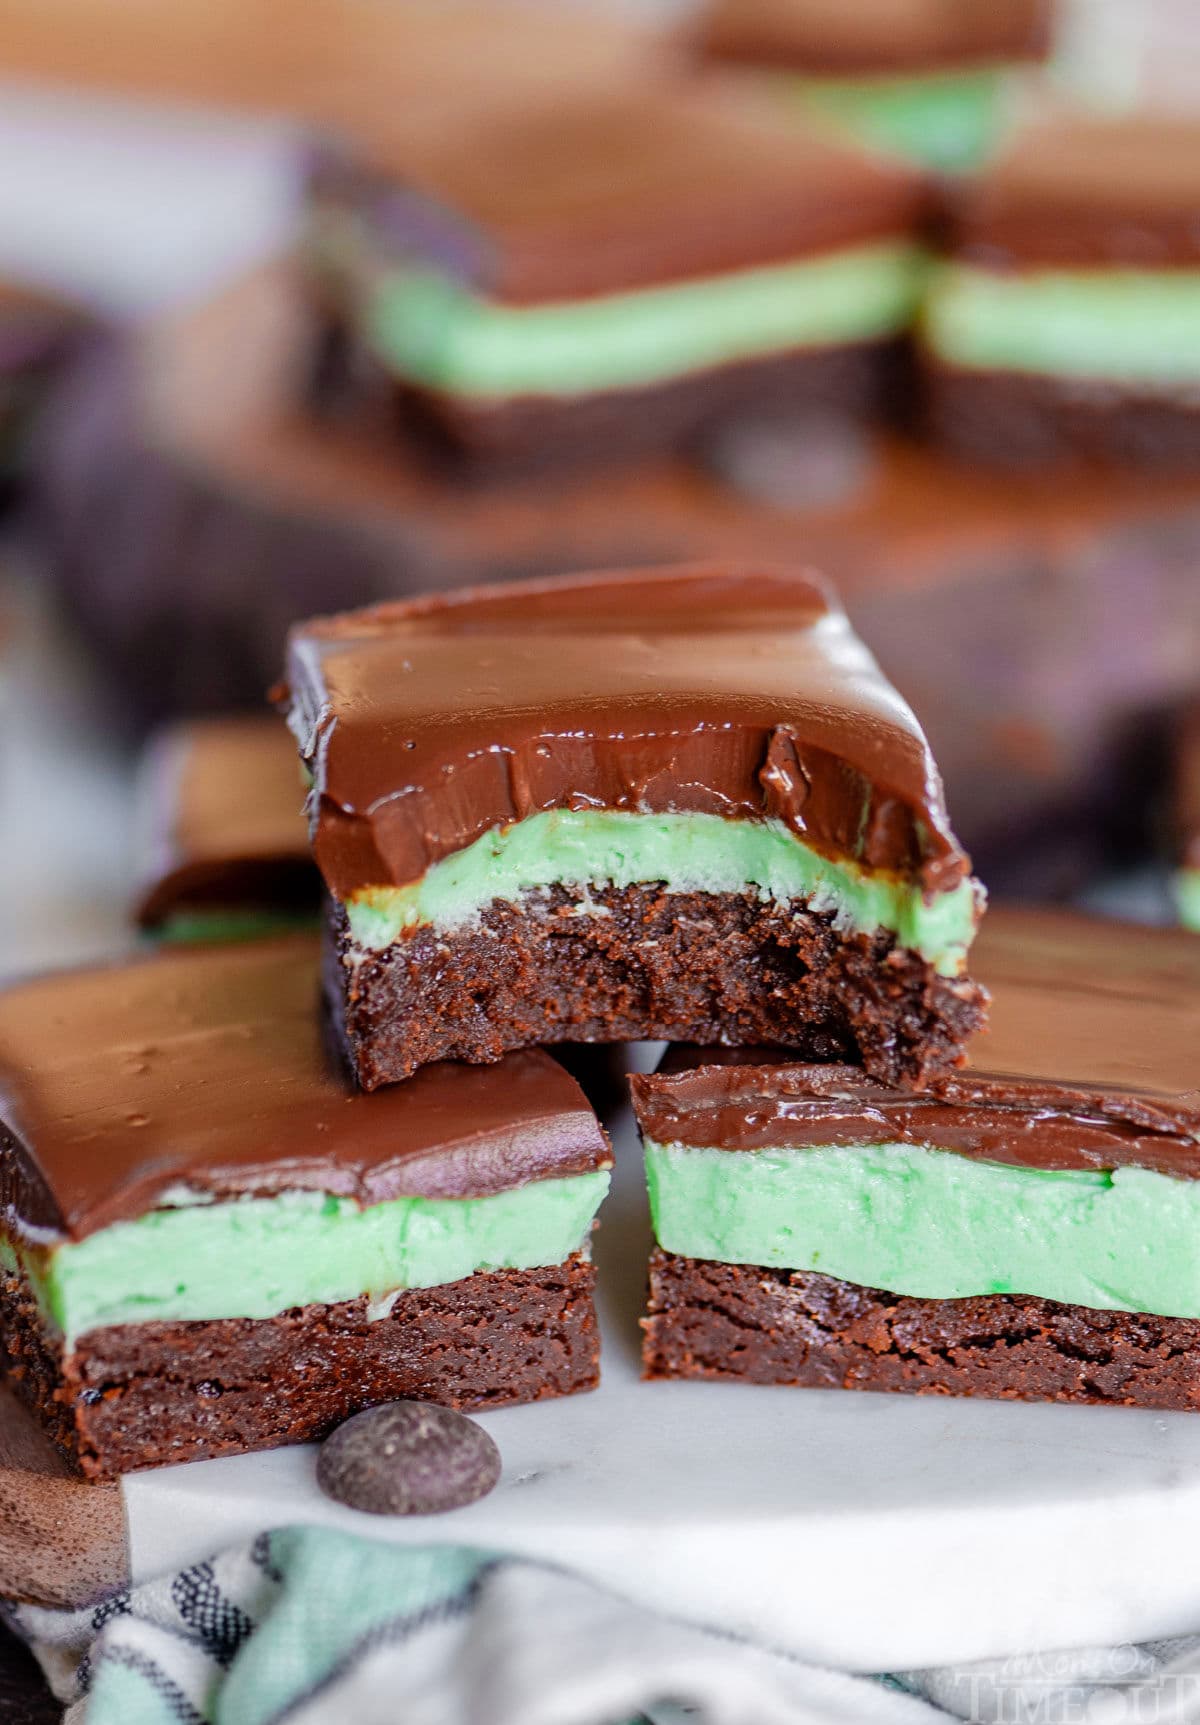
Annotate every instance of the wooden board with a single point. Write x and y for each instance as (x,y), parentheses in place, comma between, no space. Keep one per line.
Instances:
(62,1541)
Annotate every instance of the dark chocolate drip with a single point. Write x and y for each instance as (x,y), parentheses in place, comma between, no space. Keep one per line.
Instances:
(204,1068)
(732,692)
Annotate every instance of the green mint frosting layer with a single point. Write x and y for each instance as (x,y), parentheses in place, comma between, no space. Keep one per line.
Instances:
(256,1257)
(951,120)
(1187,897)
(428,329)
(935,1225)
(186,927)
(1136,327)
(579,848)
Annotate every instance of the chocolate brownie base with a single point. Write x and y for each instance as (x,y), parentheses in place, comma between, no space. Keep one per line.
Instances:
(619,964)
(142,1395)
(1015,419)
(764,1326)
(529,434)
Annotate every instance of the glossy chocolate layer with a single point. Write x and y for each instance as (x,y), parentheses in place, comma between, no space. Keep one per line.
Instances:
(736,692)
(1090,1061)
(604,192)
(205,1069)
(222,821)
(873,36)
(1087,193)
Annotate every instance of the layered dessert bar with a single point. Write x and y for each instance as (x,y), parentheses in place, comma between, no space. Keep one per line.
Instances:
(222,834)
(931,81)
(617,272)
(1063,322)
(212,1243)
(1024,1229)
(680,802)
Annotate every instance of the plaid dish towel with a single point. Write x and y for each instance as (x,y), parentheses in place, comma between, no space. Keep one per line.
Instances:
(312,1627)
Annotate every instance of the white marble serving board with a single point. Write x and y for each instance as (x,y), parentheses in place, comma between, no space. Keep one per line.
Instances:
(868,1531)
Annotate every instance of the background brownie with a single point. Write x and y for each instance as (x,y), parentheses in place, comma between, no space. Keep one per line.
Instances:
(224,841)
(189,525)
(617,272)
(928,80)
(1065,322)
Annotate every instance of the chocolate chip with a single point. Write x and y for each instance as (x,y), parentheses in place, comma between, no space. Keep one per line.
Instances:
(408,1458)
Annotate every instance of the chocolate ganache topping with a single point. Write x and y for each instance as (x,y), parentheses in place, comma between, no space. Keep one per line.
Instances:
(873,36)
(736,692)
(1085,192)
(607,192)
(1089,1062)
(201,1072)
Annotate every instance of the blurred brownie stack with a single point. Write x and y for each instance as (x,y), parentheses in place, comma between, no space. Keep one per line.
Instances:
(642,310)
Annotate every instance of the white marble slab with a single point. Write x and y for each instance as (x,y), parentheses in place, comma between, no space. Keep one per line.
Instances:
(872,1532)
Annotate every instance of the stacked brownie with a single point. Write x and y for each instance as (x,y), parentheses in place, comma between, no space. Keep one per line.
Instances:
(249,1189)
(682,803)
(677,803)
(1022,1229)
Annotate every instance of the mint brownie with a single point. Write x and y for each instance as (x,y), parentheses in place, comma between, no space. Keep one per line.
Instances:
(1063,322)
(616,271)
(223,844)
(676,803)
(211,1243)
(931,81)
(1024,1229)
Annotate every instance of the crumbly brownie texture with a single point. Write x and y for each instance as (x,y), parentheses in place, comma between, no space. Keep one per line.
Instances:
(1016,419)
(638,962)
(527,435)
(765,1326)
(143,1395)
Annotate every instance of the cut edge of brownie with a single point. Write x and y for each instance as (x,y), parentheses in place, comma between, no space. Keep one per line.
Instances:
(622,964)
(524,434)
(759,1325)
(1025,419)
(143,1395)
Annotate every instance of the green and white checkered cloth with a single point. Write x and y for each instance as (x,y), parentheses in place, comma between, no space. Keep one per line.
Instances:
(311,1627)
